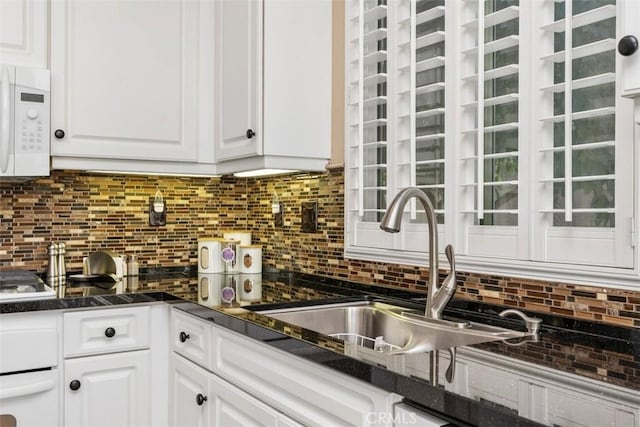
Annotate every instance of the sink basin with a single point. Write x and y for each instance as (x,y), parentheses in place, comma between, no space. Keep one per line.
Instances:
(388,328)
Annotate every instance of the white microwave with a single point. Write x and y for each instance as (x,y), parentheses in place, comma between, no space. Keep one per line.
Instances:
(25,115)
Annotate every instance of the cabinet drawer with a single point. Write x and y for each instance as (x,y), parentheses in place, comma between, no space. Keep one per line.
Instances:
(191,338)
(106,331)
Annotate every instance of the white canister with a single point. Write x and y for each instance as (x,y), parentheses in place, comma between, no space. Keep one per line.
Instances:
(209,260)
(251,259)
(243,236)
(250,288)
(229,255)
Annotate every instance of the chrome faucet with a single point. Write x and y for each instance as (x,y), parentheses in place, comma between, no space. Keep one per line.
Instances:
(437,296)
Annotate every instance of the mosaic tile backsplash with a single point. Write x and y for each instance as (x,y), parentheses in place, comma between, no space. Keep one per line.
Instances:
(95,212)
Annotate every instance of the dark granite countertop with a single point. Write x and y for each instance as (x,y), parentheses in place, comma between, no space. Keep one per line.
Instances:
(606,354)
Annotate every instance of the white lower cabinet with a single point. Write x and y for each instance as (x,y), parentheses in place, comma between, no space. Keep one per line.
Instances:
(108,390)
(542,394)
(230,406)
(188,385)
(115,366)
(252,383)
(201,398)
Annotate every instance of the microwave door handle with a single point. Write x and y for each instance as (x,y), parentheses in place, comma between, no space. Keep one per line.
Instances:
(5,118)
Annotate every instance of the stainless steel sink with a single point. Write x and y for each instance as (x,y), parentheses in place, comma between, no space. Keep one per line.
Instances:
(389,328)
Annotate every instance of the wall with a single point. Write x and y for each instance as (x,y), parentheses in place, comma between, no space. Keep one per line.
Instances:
(93,212)
(90,212)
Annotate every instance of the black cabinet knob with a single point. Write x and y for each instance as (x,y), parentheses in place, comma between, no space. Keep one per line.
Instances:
(59,133)
(200,399)
(628,45)
(250,133)
(74,385)
(184,336)
(109,332)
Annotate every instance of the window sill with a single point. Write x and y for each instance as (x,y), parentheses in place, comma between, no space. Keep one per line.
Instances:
(613,278)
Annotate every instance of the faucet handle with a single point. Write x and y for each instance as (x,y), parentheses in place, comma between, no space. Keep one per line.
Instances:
(532,323)
(451,257)
(450,281)
(450,253)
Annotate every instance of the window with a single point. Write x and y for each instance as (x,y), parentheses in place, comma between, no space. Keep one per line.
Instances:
(508,115)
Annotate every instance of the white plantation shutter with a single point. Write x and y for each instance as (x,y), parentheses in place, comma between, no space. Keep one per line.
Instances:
(366,120)
(493,133)
(420,128)
(585,185)
(529,171)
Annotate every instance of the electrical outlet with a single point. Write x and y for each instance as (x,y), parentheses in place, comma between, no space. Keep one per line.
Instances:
(278,214)
(309,212)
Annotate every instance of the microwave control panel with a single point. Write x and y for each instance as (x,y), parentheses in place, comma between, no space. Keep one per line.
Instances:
(32,117)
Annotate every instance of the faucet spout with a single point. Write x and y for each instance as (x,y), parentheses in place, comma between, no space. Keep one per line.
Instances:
(437,298)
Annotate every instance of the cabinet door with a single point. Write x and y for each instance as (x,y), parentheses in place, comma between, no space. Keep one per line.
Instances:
(238,78)
(200,398)
(230,406)
(110,390)
(23,32)
(125,78)
(311,393)
(189,386)
(629,13)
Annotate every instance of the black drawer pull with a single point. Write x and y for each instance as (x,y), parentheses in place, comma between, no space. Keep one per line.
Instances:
(184,336)
(74,385)
(200,399)
(109,332)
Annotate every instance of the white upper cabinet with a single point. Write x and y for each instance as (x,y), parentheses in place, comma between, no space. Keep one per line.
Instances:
(131,80)
(273,84)
(23,32)
(239,66)
(628,48)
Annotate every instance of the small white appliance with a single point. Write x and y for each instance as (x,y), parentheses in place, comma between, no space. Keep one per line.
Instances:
(25,115)
(23,285)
